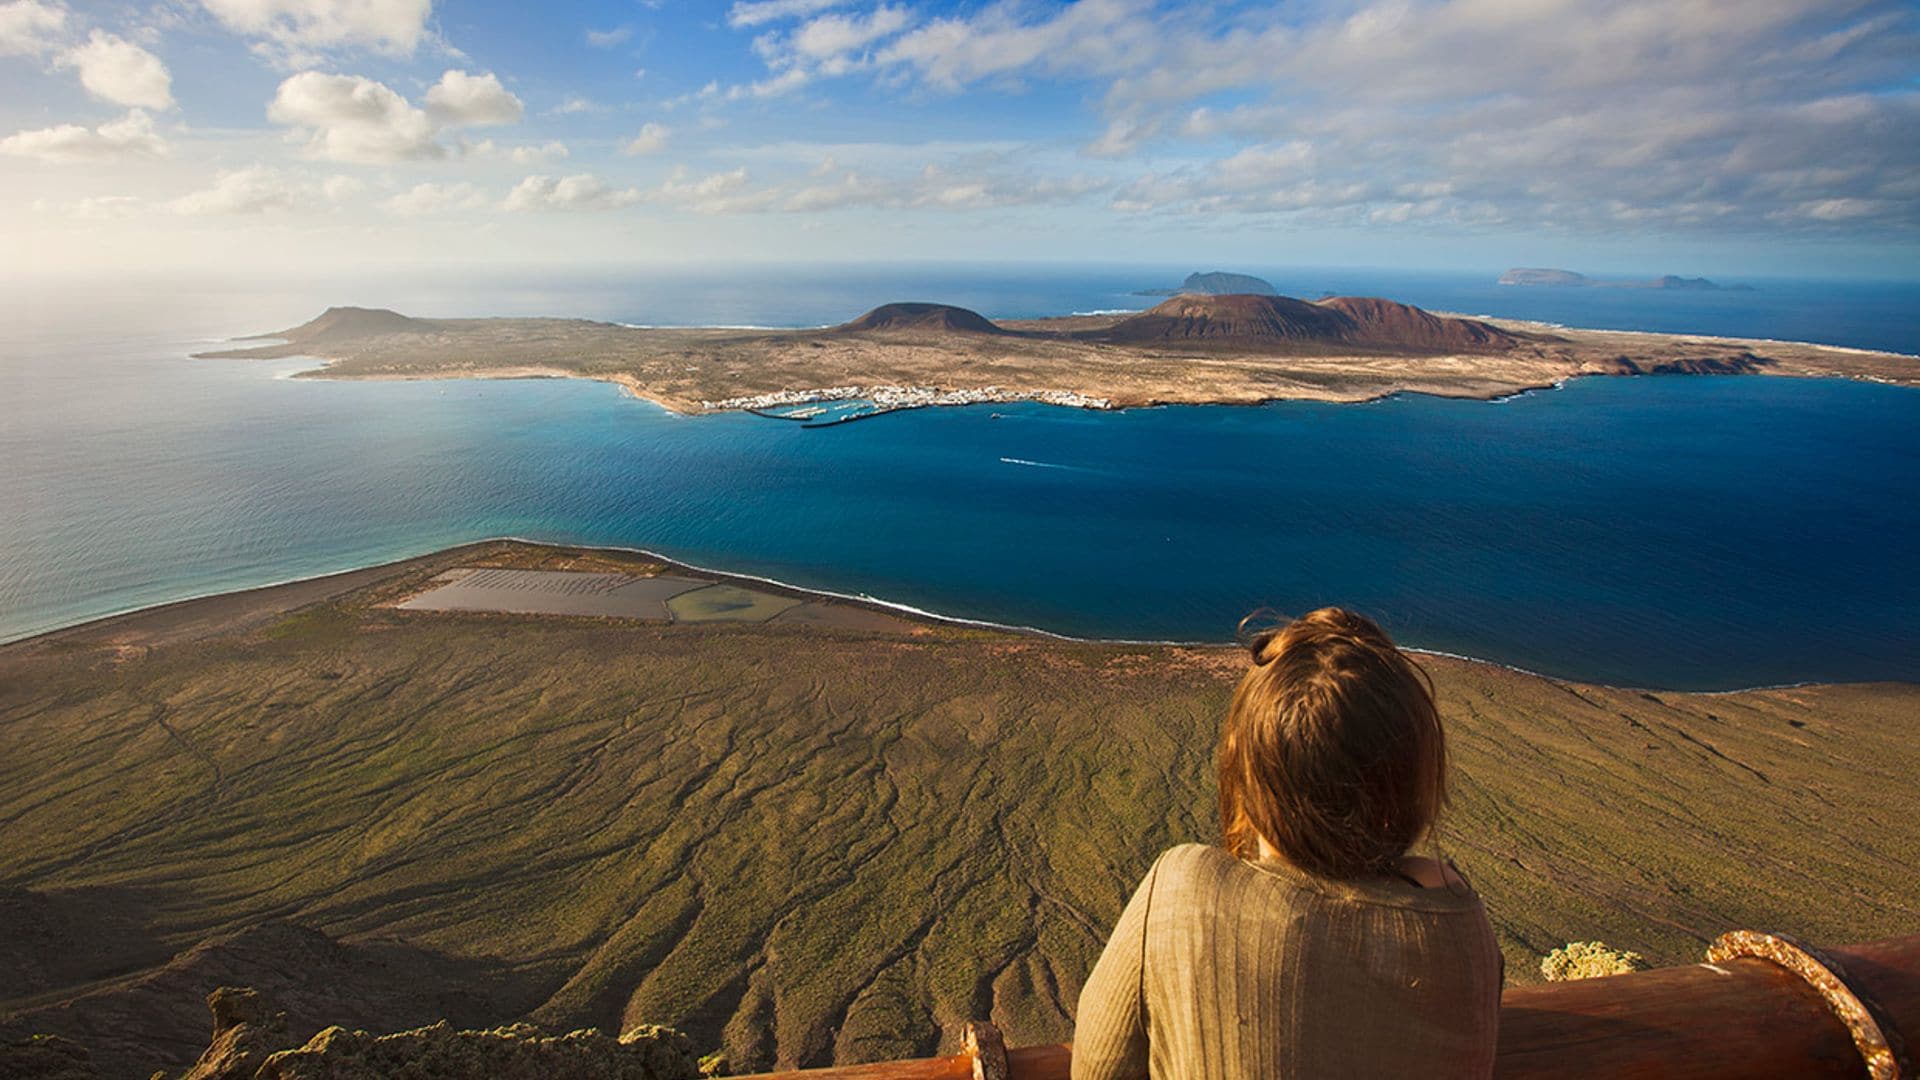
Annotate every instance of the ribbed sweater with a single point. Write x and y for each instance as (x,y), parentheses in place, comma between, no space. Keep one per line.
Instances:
(1222,969)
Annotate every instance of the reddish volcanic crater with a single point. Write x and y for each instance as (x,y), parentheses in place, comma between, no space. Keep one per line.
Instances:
(1358,322)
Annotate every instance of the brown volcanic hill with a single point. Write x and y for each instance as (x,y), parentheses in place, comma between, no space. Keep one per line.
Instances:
(346,323)
(1387,322)
(1232,317)
(921,317)
(1351,322)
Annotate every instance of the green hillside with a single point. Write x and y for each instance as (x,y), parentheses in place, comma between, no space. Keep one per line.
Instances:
(810,843)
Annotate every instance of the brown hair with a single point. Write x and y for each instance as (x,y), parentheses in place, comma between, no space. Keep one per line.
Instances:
(1332,748)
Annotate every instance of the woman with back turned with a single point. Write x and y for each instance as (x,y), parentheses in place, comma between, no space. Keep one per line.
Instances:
(1314,945)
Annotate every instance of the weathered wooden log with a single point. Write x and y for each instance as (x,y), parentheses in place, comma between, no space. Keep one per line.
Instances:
(1735,1017)
(1761,1006)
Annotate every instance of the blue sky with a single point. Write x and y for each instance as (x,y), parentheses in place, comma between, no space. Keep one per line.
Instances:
(1691,136)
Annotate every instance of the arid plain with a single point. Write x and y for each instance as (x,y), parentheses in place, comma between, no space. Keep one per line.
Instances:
(811,841)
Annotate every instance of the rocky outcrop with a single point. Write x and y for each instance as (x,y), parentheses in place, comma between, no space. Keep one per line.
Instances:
(1738,363)
(45,1057)
(251,1041)
(152,1018)
(245,1034)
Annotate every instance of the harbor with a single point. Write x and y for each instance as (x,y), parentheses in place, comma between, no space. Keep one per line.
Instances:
(829,406)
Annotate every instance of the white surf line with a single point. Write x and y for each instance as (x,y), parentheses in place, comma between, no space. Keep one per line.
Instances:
(1043,465)
(1058,636)
(860,598)
(1699,335)
(717,326)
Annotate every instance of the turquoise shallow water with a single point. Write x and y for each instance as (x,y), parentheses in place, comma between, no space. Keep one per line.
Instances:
(1680,532)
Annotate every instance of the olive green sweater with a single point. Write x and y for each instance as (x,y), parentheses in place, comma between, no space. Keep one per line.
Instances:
(1222,969)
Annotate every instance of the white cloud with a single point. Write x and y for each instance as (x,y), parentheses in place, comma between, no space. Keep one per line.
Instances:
(116,70)
(937,188)
(1555,114)
(716,193)
(463,100)
(831,35)
(786,82)
(487,149)
(580,192)
(829,45)
(652,138)
(1840,209)
(255,190)
(607,39)
(552,150)
(391,26)
(28,27)
(1123,136)
(573,106)
(1090,37)
(353,119)
(435,199)
(746,13)
(130,136)
(341,188)
(107,207)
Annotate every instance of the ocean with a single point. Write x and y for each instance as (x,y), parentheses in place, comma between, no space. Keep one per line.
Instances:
(1681,533)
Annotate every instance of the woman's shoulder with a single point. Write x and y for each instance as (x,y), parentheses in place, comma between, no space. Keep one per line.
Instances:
(1192,869)
(1186,865)
(1186,858)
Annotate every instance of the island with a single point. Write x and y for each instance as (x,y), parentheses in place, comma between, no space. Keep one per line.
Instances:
(1539,276)
(1190,349)
(1527,275)
(1217,283)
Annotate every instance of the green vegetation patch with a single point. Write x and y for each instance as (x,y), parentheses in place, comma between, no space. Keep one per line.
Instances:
(728,603)
(1589,960)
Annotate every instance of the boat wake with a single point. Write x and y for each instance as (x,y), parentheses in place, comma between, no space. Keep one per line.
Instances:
(1045,465)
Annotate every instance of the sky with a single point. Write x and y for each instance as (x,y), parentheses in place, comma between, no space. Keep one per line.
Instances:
(1757,137)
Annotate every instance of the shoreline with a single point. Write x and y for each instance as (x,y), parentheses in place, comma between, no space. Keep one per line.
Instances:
(903,356)
(383,570)
(1050,398)
(891,398)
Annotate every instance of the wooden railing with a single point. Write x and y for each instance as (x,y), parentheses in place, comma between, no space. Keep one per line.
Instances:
(1760,1006)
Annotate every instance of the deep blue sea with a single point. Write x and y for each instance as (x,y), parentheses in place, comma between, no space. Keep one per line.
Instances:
(1686,533)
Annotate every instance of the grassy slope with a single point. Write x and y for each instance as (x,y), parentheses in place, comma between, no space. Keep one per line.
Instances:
(815,845)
